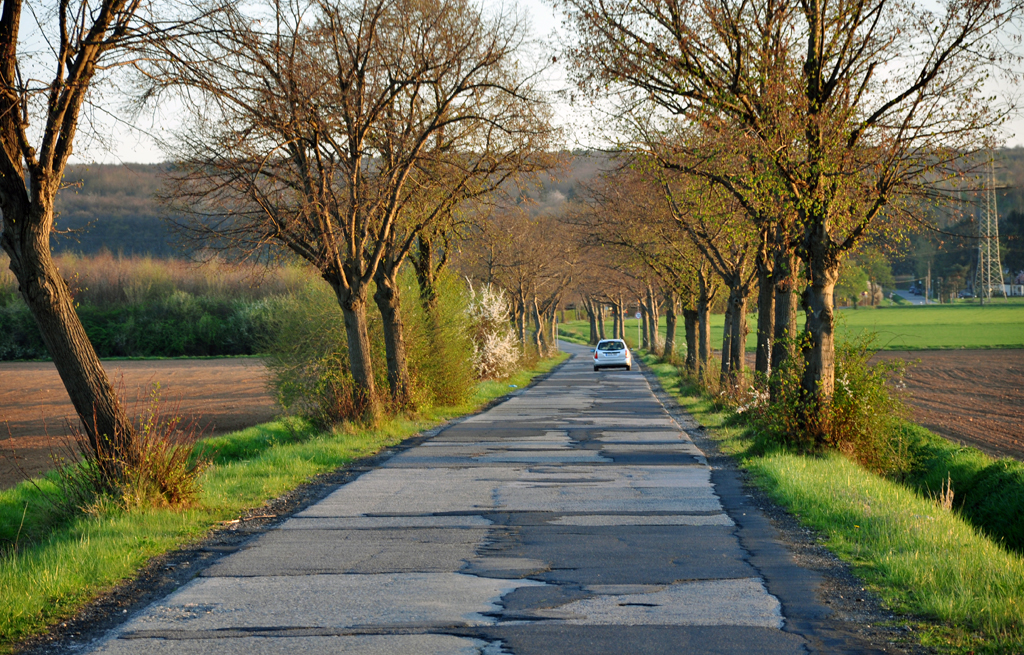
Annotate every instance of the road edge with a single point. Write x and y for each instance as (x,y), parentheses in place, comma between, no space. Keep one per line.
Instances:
(854,620)
(166,573)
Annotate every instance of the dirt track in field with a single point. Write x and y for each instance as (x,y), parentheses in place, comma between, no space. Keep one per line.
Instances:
(970,396)
(223,394)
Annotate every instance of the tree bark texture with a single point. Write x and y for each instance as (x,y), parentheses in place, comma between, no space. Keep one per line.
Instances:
(737,363)
(819,375)
(670,326)
(539,340)
(765,317)
(620,312)
(704,340)
(645,312)
(389,303)
(786,306)
(726,345)
(600,320)
(422,258)
(357,336)
(519,312)
(617,320)
(690,320)
(653,320)
(706,292)
(552,328)
(592,317)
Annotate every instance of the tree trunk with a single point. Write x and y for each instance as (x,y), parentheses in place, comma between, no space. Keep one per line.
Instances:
(653,319)
(765,316)
(616,321)
(538,335)
(519,310)
(670,326)
(389,303)
(600,321)
(727,326)
(552,331)
(706,292)
(690,321)
(786,303)
(51,304)
(737,364)
(620,314)
(645,312)
(553,326)
(592,317)
(704,340)
(353,308)
(819,375)
(423,264)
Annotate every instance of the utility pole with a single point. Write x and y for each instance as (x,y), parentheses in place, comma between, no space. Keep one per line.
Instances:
(928,284)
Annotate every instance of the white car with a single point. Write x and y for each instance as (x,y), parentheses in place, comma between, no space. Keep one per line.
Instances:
(612,353)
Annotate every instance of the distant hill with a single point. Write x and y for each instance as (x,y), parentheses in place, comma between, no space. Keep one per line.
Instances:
(113,206)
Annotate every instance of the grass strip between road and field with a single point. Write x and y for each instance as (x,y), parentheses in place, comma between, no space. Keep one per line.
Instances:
(60,571)
(960,590)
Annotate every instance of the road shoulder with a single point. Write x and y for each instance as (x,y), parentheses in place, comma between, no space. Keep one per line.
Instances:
(780,547)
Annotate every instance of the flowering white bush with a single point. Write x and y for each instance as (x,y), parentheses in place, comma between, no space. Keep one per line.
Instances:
(495,351)
(756,399)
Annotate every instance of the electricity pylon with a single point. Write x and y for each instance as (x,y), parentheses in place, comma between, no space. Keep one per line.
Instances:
(989,276)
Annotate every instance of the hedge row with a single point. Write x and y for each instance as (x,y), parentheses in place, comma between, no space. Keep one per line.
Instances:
(178,326)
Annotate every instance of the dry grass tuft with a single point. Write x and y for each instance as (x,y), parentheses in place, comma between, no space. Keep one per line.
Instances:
(160,466)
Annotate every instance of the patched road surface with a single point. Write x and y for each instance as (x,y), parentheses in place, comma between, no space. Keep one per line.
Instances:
(577,517)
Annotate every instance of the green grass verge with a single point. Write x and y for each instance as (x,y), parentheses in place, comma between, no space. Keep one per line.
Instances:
(987,492)
(906,327)
(573,334)
(922,560)
(49,571)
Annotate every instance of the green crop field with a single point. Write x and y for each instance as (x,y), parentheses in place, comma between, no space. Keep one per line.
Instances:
(934,327)
(939,326)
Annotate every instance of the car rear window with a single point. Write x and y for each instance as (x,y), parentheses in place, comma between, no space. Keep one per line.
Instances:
(611,345)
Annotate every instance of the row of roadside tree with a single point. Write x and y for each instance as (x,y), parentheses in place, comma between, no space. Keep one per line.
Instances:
(763,143)
(355,135)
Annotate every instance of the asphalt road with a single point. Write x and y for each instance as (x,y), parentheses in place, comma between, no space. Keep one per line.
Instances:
(909,297)
(576,518)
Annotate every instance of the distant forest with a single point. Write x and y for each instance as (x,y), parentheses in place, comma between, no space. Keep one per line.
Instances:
(114,207)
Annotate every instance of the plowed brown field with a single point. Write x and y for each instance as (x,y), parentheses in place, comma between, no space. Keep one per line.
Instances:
(223,394)
(970,396)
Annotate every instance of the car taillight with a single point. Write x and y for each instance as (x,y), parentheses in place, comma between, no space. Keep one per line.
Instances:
(595,354)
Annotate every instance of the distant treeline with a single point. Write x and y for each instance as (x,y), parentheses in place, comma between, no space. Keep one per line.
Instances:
(113,207)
